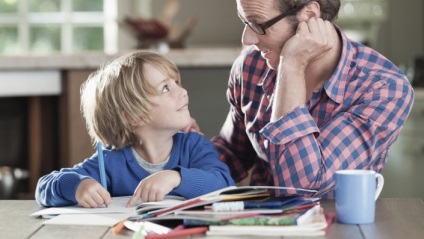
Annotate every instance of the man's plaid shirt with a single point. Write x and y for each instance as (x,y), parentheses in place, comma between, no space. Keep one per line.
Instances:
(349,123)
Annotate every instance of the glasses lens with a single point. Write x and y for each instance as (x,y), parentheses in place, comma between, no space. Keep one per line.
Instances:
(256,28)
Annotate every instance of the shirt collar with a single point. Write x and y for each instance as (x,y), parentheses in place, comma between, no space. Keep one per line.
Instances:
(335,86)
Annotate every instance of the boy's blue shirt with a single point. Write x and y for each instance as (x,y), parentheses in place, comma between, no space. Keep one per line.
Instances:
(192,155)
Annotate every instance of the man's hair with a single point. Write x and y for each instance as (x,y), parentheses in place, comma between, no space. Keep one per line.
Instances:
(329,8)
(118,94)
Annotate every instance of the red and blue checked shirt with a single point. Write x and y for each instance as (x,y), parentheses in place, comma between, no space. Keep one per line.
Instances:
(349,123)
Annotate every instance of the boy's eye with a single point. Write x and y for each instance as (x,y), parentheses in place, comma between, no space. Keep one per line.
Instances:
(165,89)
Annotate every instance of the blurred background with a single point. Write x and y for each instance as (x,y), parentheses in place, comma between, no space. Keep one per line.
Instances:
(49,47)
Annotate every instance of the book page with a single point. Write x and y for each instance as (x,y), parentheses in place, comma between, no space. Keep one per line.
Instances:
(118,205)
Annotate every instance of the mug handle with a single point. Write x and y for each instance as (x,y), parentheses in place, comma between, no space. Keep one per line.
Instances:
(380,184)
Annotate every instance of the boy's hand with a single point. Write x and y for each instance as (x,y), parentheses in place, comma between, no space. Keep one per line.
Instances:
(156,186)
(91,194)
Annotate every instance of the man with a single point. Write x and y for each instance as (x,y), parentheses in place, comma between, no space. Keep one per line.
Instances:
(307,101)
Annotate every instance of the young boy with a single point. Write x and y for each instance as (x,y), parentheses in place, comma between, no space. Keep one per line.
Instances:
(137,107)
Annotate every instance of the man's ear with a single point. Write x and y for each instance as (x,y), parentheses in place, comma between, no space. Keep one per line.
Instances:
(309,11)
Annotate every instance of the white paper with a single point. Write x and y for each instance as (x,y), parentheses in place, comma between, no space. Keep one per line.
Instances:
(104,219)
(118,206)
(149,227)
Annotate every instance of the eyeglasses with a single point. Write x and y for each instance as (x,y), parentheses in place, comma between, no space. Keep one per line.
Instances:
(260,28)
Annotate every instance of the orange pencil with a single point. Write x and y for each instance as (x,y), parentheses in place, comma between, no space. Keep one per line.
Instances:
(119,226)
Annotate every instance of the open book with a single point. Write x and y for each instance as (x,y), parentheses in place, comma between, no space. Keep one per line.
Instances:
(231,193)
(268,209)
(168,201)
(313,222)
(296,213)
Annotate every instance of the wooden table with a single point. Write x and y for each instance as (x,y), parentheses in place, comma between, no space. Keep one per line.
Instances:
(395,218)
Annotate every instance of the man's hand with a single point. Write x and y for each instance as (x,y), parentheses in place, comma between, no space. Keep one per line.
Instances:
(91,194)
(192,127)
(313,39)
(156,186)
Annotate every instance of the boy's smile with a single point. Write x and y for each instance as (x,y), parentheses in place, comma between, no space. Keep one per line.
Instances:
(170,105)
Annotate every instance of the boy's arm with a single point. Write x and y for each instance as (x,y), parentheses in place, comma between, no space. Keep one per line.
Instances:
(59,187)
(204,173)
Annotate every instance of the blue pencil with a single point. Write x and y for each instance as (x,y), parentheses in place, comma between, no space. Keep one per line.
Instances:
(101,165)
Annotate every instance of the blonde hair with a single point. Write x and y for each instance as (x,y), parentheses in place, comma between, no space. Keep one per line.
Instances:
(117,94)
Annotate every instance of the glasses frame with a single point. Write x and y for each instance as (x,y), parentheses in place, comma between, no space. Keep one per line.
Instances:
(260,28)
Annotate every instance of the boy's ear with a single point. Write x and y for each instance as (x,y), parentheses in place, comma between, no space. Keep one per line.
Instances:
(311,10)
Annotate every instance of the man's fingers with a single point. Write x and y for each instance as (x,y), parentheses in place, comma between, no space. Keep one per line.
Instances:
(322,29)
(313,26)
(331,32)
(192,127)
(302,28)
(319,33)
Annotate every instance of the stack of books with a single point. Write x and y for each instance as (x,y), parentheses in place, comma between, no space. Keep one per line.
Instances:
(241,211)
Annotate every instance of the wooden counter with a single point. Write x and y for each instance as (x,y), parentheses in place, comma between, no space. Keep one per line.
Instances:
(196,57)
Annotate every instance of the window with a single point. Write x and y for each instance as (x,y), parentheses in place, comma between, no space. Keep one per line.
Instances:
(41,26)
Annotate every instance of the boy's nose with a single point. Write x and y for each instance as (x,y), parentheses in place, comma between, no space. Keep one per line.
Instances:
(183,92)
